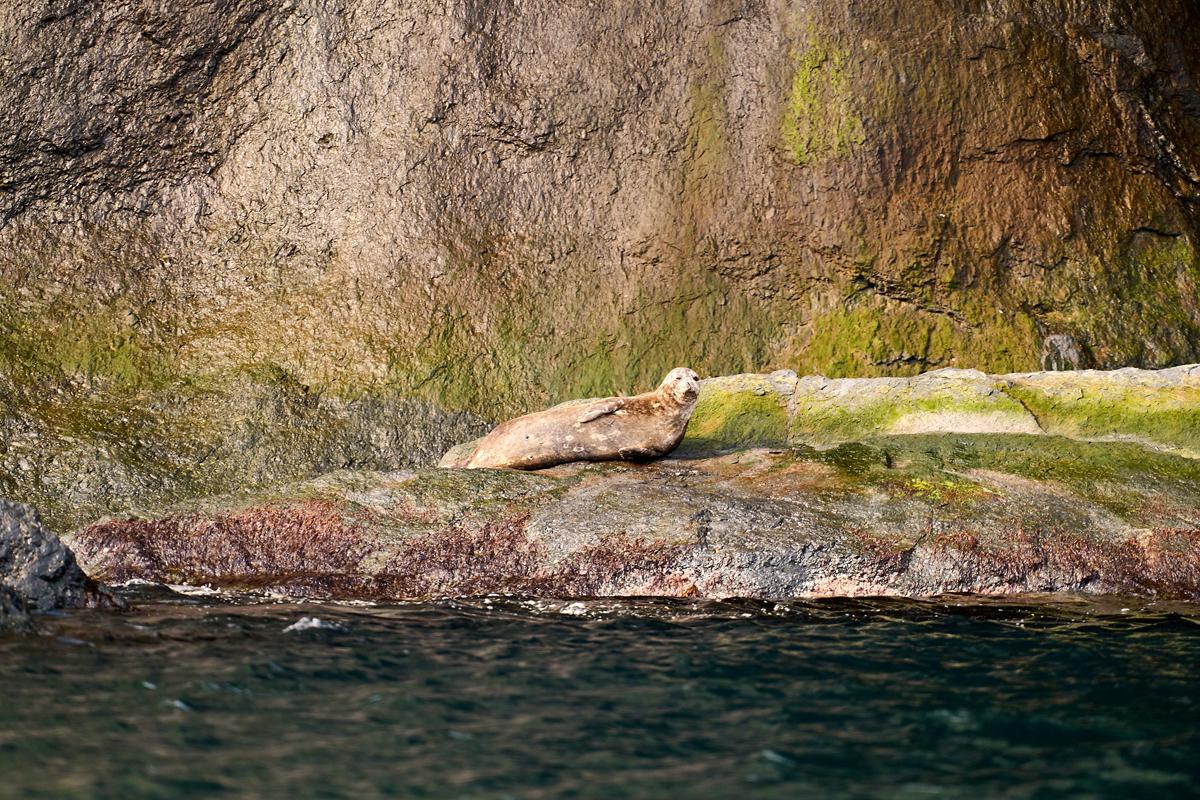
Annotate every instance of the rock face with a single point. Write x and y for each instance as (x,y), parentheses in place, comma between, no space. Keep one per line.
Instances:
(38,572)
(219,218)
(948,482)
(78,455)
(13,614)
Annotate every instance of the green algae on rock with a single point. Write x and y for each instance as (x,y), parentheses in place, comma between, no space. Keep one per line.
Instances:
(1160,408)
(738,412)
(818,120)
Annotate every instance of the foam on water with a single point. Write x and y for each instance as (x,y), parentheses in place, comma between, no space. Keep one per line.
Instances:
(313,623)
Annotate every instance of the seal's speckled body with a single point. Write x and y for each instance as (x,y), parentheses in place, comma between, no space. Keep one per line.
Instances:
(612,428)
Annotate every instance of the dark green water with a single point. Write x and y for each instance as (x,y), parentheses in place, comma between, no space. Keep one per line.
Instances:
(204,697)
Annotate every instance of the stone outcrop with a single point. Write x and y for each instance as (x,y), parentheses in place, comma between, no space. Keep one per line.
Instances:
(38,572)
(1159,409)
(248,241)
(784,487)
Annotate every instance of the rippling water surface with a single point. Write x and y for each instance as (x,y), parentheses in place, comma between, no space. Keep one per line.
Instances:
(208,696)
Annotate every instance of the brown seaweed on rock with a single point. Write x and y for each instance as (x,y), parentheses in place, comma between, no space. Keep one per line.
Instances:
(260,545)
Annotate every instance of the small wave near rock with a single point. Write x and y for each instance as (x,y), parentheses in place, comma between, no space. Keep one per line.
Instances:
(313,623)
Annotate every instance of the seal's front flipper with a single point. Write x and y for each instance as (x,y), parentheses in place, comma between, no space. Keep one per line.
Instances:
(610,406)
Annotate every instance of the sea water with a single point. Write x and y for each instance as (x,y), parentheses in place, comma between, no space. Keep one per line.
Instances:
(214,696)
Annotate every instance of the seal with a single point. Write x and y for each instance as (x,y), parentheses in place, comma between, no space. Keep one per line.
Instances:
(634,428)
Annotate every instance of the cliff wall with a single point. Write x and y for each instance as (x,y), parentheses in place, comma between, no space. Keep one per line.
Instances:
(243,241)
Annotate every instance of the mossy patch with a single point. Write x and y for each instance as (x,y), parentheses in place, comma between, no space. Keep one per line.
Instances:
(1167,416)
(108,344)
(1123,478)
(945,491)
(819,117)
(874,338)
(727,419)
(864,409)
(1140,303)
(899,468)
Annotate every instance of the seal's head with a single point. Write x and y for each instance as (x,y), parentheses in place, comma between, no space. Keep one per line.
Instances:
(681,385)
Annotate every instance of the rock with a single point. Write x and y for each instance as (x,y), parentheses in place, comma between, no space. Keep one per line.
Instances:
(77,453)
(912,515)
(1060,351)
(13,614)
(38,572)
(1158,408)
(407,220)
(458,454)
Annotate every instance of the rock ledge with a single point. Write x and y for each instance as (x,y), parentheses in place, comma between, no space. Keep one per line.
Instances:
(784,487)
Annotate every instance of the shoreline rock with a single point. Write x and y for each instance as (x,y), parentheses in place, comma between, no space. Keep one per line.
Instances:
(38,572)
(706,543)
(758,502)
(14,616)
(1157,408)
